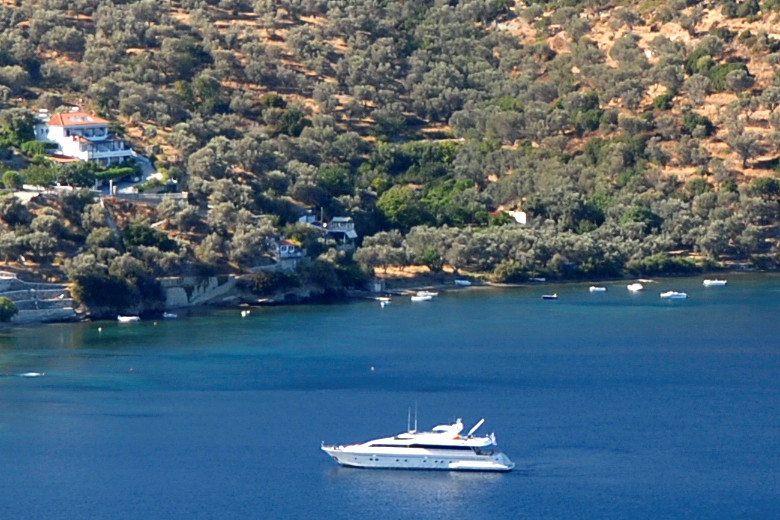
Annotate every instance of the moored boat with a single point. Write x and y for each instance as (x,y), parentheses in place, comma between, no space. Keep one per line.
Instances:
(553,296)
(714,283)
(635,287)
(421,297)
(443,448)
(594,288)
(462,283)
(127,319)
(674,295)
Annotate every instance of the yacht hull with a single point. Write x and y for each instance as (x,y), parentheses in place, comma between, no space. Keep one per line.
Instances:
(423,461)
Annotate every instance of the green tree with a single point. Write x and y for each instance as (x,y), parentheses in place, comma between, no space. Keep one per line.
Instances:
(401,207)
(12,180)
(17,126)
(8,309)
(13,212)
(78,174)
(139,233)
(39,175)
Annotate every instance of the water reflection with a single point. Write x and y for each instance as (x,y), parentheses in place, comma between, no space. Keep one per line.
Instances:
(419,494)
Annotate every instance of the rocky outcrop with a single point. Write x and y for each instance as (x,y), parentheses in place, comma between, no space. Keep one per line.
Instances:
(190,291)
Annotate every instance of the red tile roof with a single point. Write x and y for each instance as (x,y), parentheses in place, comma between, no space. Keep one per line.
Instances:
(63,159)
(76,119)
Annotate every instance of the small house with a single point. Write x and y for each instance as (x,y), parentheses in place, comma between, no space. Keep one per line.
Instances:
(288,254)
(342,229)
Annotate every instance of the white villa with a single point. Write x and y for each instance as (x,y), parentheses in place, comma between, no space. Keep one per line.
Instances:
(82,136)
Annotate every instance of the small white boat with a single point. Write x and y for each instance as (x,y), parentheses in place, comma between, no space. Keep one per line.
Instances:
(714,283)
(421,297)
(550,296)
(594,288)
(170,315)
(32,374)
(538,279)
(674,295)
(635,287)
(384,303)
(427,293)
(245,313)
(462,283)
(127,319)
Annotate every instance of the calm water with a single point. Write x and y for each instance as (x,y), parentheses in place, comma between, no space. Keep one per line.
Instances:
(612,405)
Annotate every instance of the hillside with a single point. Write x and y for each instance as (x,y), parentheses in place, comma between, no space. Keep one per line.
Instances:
(637,138)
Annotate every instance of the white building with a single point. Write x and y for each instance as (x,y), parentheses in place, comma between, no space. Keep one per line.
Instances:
(288,254)
(520,216)
(82,136)
(342,227)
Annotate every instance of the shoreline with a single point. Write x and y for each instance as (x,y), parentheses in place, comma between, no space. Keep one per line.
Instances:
(393,286)
(410,288)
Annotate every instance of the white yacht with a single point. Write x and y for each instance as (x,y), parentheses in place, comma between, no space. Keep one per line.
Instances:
(635,287)
(674,295)
(443,448)
(714,283)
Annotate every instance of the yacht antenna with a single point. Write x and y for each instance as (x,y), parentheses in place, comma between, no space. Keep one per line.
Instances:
(471,431)
(415,416)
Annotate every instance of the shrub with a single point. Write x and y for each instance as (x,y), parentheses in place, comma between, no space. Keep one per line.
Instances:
(141,234)
(692,120)
(766,186)
(661,263)
(664,101)
(33,148)
(273,100)
(697,186)
(718,73)
(116,172)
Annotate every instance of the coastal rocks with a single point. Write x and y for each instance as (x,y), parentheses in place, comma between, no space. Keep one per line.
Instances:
(189,291)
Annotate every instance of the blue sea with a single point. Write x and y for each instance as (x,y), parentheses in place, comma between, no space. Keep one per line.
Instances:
(612,405)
